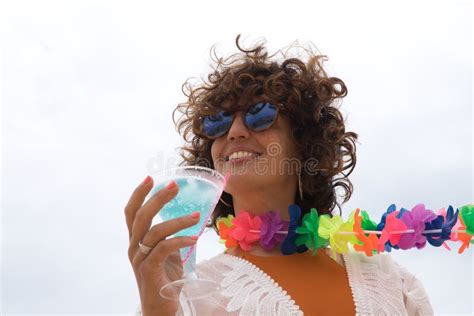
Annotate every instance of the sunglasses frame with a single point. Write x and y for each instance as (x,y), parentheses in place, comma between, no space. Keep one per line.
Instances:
(280,107)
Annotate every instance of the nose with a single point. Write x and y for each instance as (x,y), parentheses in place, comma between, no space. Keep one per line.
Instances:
(238,128)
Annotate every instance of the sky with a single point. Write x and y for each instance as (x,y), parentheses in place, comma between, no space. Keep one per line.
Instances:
(87,94)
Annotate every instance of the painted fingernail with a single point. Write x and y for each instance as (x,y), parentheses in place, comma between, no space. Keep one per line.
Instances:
(147,179)
(171,185)
(195,214)
(195,237)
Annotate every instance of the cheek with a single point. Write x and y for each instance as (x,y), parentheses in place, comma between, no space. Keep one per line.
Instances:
(216,149)
(276,144)
(285,139)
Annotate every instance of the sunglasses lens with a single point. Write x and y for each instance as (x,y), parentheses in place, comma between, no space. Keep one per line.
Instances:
(261,116)
(216,125)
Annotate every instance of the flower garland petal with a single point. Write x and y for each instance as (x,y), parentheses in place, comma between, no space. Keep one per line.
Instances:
(392,225)
(246,230)
(329,228)
(367,223)
(225,227)
(289,246)
(466,219)
(380,227)
(345,235)
(467,214)
(308,232)
(368,243)
(415,220)
(271,225)
(454,234)
(445,224)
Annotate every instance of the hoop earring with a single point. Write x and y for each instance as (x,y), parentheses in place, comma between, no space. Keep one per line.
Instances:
(220,199)
(300,186)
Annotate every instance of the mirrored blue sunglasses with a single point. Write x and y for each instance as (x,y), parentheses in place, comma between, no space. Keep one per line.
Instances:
(257,118)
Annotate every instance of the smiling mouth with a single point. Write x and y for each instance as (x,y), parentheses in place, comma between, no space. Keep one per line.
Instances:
(242,158)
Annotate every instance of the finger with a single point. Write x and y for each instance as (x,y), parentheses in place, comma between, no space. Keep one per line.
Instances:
(143,217)
(160,252)
(145,214)
(163,230)
(136,201)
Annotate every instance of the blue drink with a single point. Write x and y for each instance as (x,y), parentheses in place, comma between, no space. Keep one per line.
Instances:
(195,194)
(199,190)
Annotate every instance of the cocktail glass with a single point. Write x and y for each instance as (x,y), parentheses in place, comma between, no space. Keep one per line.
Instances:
(199,190)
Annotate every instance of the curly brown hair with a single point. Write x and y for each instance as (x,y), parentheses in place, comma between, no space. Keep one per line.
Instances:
(306,91)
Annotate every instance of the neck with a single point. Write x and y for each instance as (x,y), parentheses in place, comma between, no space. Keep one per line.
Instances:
(258,202)
(256,251)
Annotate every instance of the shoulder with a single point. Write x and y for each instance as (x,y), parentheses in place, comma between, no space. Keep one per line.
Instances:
(382,277)
(415,296)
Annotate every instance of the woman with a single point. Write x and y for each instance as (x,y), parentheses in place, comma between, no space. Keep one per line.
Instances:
(275,128)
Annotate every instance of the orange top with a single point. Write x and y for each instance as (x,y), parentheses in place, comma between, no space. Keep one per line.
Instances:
(318,284)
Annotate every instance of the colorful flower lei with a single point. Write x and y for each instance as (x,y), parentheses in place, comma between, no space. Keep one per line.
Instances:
(398,229)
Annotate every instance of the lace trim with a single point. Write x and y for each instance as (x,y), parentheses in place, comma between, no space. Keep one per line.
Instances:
(374,291)
(253,291)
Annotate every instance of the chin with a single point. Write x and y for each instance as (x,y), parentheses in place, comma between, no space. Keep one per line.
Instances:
(243,182)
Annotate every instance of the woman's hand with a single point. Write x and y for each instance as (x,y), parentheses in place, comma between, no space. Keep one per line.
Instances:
(163,263)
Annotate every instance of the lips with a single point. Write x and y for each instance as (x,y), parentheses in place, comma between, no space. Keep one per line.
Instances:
(240,149)
(239,156)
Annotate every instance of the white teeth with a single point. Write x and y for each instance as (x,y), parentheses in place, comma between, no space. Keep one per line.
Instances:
(241,154)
